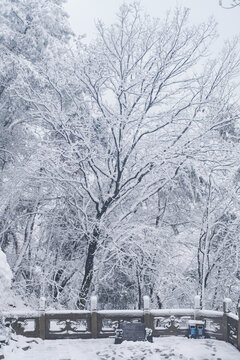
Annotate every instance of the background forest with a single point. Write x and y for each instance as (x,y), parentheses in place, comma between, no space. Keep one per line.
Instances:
(119,160)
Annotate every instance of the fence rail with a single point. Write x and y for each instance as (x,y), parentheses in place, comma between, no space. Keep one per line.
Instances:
(221,325)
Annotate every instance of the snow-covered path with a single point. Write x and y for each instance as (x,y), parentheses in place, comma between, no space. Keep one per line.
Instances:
(173,348)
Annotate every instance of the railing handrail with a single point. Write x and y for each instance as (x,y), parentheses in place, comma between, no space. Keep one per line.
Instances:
(154,312)
(119,313)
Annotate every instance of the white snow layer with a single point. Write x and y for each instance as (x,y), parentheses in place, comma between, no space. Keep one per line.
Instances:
(5,280)
(173,348)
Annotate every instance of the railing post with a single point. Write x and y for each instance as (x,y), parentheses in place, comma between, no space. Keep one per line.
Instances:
(197,306)
(226,309)
(42,318)
(94,317)
(148,318)
(238,338)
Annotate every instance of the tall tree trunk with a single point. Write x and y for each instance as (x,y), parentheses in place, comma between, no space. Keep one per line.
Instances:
(60,283)
(159,303)
(139,290)
(88,274)
(27,237)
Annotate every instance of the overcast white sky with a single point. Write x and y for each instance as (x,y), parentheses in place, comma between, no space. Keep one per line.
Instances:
(83,13)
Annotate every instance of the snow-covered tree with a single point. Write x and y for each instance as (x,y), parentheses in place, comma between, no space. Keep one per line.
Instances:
(151,111)
(33,35)
(229,4)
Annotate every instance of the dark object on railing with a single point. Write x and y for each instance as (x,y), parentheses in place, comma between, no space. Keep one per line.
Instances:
(196,329)
(133,332)
(118,336)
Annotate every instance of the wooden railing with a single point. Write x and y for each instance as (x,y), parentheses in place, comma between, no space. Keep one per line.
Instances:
(221,325)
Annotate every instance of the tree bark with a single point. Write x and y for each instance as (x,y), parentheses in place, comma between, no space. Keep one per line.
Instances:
(139,290)
(88,274)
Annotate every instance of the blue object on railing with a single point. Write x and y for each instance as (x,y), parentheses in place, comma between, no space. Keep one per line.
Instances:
(196,329)
(192,330)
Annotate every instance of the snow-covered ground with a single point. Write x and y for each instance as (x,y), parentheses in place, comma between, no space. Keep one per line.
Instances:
(173,348)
